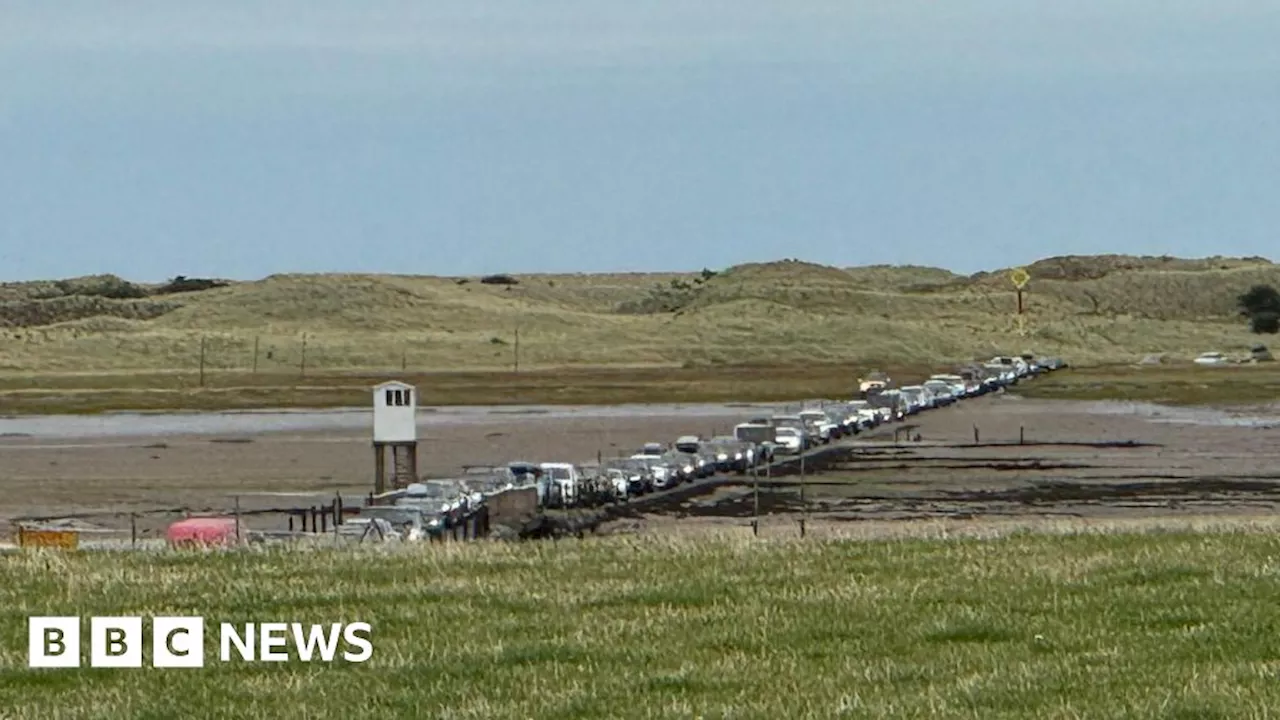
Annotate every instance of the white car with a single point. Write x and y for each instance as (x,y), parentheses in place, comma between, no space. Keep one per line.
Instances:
(564,479)
(662,475)
(868,416)
(943,392)
(618,481)
(918,397)
(959,388)
(788,440)
(826,428)
(1211,358)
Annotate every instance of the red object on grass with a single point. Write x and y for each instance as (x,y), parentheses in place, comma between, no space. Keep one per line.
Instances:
(202,531)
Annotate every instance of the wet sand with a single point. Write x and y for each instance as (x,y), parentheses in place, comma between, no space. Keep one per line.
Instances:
(105,467)
(1078,460)
(1189,462)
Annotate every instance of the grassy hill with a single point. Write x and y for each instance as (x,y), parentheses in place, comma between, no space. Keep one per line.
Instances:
(1091,309)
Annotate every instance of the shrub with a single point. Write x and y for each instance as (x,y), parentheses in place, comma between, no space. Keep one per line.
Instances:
(1261,304)
(182,283)
(1265,322)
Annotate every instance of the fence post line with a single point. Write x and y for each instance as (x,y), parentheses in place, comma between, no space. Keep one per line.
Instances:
(302,366)
(202,347)
(255,354)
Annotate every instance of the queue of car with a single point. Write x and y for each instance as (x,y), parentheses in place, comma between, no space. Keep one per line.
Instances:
(657,466)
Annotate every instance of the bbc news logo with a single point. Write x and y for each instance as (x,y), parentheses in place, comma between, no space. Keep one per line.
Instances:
(178,642)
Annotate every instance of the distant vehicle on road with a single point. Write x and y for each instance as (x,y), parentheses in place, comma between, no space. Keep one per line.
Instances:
(790,441)
(564,481)
(1211,358)
(944,393)
(891,400)
(873,382)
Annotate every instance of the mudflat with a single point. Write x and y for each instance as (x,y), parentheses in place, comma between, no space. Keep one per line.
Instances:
(1092,459)
(1006,458)
(101,469)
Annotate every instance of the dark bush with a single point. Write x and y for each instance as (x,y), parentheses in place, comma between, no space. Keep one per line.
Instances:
(182,284)
(1261,304)
(499,280)
(1265,322)
(1260,298)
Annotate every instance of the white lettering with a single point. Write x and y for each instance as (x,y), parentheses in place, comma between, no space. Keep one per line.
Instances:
(271,636)
(230,637)
(307,646)
(352,635)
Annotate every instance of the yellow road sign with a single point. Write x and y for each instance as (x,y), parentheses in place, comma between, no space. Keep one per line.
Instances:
(1020,277)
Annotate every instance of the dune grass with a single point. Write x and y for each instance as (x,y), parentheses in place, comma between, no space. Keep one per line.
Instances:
(292,340)
(765,313)
(1165,625)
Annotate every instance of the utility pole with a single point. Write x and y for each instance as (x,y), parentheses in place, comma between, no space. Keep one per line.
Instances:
(202,345)
(302,366)
(755,493)
(804,508)
(255,354)
(517,350)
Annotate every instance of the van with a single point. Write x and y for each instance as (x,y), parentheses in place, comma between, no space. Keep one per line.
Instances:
(689,444)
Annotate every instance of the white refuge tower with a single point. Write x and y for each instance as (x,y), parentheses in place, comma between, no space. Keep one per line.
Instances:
(395,426)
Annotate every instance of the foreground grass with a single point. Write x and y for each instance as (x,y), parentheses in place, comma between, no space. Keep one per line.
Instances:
(1170,625)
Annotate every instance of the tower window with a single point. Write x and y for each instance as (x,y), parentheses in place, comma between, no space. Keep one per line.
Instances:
(398,398)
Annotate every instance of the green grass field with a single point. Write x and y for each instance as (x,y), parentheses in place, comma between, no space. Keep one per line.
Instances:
(1183,384)
(1154,625)
(564,386)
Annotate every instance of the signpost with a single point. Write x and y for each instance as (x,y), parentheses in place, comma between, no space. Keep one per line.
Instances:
(1020,277)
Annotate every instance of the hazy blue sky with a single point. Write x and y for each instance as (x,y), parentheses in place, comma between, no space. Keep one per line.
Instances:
(239,139)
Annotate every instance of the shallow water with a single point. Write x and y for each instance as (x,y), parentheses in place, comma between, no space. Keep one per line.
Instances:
(255,422)
(1260,417)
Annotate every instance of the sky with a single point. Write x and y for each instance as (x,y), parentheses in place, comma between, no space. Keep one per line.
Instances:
(238,139)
